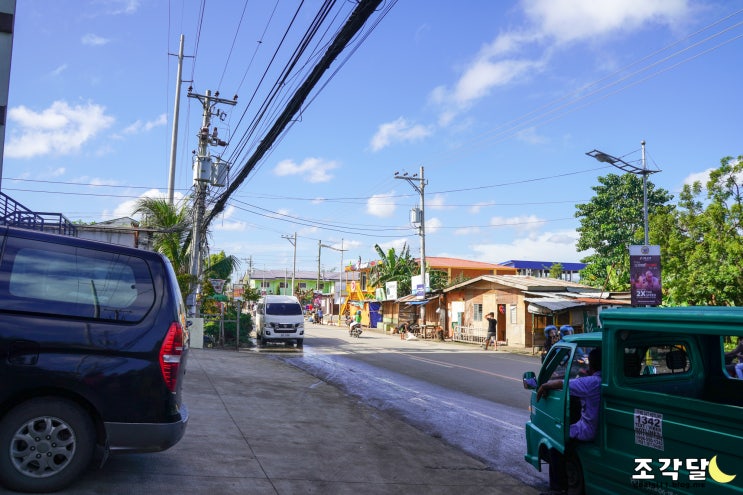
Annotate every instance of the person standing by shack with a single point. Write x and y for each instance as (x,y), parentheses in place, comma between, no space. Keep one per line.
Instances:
(492,324)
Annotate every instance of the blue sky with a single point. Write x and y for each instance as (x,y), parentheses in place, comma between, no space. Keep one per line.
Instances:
(498,101)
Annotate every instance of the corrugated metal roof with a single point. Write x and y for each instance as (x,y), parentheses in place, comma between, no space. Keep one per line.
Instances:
(543,265)
(525,283)
(551,305)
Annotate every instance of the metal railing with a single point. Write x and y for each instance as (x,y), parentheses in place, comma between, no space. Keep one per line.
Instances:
(15,214)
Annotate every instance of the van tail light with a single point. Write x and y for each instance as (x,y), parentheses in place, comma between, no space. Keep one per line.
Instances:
(170,355)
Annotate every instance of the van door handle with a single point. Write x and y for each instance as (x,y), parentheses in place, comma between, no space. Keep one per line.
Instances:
(23,352)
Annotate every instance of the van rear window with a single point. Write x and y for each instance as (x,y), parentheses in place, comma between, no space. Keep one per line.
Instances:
(62,280)
(283,309)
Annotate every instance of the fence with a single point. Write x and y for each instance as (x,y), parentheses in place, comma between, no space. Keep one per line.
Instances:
(470,334)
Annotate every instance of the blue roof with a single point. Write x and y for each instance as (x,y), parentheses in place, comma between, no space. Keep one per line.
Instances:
(543,265)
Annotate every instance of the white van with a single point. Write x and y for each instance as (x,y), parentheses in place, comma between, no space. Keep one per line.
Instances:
(279,319)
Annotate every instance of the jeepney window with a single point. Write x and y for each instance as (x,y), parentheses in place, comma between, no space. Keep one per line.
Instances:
(653,360)
(732,348)
(579,366)
(555,364)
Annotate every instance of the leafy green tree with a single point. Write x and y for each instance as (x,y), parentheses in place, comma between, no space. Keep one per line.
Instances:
(610,222)
(556,270)
(701,241)
(438,279)
(394,268)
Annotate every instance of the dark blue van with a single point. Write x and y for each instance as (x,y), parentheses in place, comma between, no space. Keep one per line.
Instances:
(93,346)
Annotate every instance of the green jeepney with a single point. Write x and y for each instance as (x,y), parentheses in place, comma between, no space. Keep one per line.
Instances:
(671,407)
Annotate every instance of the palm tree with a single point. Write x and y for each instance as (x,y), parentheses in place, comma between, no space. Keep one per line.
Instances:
(172,233)
(394,268)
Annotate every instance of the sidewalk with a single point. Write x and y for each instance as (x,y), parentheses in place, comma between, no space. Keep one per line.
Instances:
(261,426)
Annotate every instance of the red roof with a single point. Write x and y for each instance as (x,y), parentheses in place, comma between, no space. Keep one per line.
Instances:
(443,262)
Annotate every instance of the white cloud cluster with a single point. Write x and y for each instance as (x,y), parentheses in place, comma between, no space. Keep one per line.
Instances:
(312,170)
(139,126)
(523,223)
(381,205)
(548,246)
(60,129)
(398,131)
(550,26)
(94,40)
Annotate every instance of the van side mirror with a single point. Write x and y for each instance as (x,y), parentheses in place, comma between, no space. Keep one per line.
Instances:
(529,380)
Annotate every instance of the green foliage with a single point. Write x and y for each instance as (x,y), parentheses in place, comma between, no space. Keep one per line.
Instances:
(438,279)
(702,252)
(394,268)
(610,222)
(556,270)
(172,225)
(221,266)
(211,327)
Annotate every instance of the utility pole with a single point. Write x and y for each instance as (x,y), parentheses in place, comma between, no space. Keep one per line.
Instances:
(176,111)
(7,15)
(418,217)
(293,240)
(205,173)
(320,245)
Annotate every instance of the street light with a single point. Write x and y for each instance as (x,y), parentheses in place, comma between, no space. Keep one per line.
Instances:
(632,169)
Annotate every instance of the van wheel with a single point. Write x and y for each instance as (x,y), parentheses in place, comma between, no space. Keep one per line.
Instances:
(574,471)
(300,342)
(45,444)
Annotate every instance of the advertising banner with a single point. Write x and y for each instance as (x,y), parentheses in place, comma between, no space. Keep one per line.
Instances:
(645,275)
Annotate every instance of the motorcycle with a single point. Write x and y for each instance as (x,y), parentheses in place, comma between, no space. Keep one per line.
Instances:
(354,328)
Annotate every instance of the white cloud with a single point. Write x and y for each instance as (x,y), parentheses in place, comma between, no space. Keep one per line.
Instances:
(475,208)
(139,126)
(485,74)
(58,130)
(433,225)
(549,25)
(398,131)
(126,208)
(94,40)
(530,136)
(397,244)
(565,21)
(124,6)
(59,70)
(522,223)
(702,177)
(467,231)
(311,169)
(381,205)
(549,246)
(437,202)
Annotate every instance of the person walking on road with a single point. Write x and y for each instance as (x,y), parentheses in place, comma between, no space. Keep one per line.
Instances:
(492,323)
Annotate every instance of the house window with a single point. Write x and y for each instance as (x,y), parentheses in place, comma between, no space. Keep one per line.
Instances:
(265,284)
(302,285)
(478,313)
(282,285)
(513,313)
(322,285)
